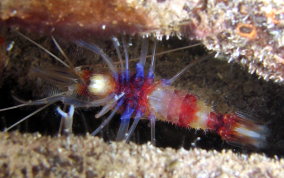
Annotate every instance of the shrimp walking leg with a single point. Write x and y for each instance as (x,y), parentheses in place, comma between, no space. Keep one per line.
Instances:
(153,130)
(67,119)
(124,123)
(108,119)
(134,125)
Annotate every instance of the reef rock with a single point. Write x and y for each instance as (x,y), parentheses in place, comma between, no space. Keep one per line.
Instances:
(249,32)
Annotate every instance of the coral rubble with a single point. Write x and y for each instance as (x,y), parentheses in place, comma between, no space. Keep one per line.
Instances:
(25,155)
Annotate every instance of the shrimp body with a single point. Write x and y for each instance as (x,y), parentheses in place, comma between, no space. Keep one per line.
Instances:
(157,98)
(138,96)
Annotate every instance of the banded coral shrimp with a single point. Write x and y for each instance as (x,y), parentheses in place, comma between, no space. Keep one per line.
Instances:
(55,71)
(63,114)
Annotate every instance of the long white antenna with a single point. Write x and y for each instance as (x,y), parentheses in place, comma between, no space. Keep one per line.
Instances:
(28,116)
(179,74)
(168,51)
(45,50)
(62,52)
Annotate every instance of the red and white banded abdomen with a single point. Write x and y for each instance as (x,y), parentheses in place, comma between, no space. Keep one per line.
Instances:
(186,110)
(178,107)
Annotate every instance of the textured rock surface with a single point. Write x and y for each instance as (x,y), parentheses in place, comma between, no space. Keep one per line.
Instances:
(24,155)
(248,32)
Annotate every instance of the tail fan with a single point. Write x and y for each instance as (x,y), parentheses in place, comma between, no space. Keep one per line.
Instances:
(243,131)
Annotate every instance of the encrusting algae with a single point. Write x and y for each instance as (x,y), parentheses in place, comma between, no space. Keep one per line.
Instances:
(247,32)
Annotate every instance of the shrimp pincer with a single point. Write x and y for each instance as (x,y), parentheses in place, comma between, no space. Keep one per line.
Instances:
(138,96)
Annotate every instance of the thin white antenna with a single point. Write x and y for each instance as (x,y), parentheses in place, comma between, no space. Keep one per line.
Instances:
(44,49)
(28,116)
(62,52)
(14,107)
(179,74)
(168,51)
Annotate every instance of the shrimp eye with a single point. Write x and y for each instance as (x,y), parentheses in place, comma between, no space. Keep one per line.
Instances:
(101,85)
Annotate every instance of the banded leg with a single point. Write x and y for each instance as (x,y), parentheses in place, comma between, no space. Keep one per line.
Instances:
(133,126)
(151,73)
(153,129)
(124,124)
(126,56)
(67,119)
(106,121)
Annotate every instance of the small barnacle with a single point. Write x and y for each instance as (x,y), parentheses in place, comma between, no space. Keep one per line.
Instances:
(247,31)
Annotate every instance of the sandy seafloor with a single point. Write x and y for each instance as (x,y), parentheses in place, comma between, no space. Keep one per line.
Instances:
(179,152)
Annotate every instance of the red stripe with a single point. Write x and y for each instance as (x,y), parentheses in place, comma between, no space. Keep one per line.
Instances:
(188,110)
(226,131)
(215,121)
(174,106)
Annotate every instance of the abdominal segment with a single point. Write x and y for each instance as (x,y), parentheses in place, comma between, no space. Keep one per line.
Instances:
(179,107)
(186,110)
